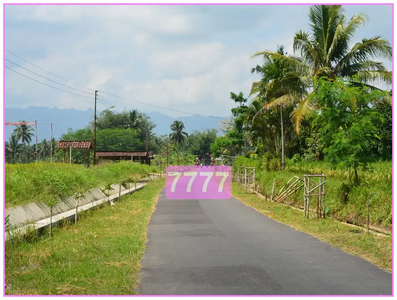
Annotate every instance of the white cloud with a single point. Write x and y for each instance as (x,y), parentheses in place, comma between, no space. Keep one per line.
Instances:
(182,57)
(207,93)
(190,61)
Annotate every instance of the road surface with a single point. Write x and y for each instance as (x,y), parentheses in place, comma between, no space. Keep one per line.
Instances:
(222,247)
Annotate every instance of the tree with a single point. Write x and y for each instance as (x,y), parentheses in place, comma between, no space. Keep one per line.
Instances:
(348,123)
(44,149)
(326,51)
(119,140)
(200,144)
(238,134)
(222,145)
(30,152)
(382,147)
(178,135)
(25,134)
(281,85)
(12,148)
(125,120)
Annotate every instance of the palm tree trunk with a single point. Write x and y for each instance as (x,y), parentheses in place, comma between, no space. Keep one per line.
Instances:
(282,139)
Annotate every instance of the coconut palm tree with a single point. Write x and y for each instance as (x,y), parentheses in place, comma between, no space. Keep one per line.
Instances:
(44,149)
(326,48)
(281,85)
(30,152)
(25,134)
(178,135)
(12,147)
(326,51)
(134,119)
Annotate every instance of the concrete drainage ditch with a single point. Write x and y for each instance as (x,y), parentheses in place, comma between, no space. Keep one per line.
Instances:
(36,216)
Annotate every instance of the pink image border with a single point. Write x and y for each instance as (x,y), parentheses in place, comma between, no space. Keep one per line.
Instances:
(196,4)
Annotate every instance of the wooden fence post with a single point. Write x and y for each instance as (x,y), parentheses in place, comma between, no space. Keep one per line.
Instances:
(274,182)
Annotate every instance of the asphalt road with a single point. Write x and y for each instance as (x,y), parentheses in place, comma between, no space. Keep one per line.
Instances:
(222,247)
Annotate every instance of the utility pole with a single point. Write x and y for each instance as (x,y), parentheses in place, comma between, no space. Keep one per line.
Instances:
(96,93)
(37,154)
(167,151)
(51,142)
(147,143)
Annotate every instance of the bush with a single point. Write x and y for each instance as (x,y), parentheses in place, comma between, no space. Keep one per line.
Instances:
(296,158)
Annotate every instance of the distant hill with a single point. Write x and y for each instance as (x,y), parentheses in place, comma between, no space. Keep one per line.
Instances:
(62,119)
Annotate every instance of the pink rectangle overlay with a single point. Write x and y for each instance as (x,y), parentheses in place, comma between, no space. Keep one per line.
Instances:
(198,182)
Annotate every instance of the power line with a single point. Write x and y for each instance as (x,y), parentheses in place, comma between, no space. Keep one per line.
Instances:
(104,104)
(107,104)
(153,105)
(175,110)
(46,84)
(48,71)
(47,78)
(104,100)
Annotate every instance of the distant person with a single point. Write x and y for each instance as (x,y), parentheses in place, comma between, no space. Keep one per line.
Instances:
(212,160)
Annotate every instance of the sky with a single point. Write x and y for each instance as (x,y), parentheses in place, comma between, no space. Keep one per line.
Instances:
(185,58)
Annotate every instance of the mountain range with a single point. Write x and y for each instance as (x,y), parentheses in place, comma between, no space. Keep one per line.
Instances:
(62,119)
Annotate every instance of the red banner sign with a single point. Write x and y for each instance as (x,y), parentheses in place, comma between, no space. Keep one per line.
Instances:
(19,123)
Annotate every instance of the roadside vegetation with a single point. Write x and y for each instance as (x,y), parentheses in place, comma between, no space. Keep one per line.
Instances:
(317,110)
(343,201)
(43,182)
(100,255)
(376,249)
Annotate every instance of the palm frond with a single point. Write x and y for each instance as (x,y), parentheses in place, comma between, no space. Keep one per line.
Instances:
(303,43)
(372,76)
(364,52)
(355,22)
(301,111)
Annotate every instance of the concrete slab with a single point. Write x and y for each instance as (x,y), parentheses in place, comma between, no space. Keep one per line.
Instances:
(39,214)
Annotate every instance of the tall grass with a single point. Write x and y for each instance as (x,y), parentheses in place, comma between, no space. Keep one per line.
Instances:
(376,184)
(42,182)
(100,255)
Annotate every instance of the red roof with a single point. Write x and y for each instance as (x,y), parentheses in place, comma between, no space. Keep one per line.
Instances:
(116,153)
(74,144)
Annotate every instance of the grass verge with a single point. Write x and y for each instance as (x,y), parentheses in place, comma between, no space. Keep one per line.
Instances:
(373,248)
(100,255)
(344,201)
(42,182)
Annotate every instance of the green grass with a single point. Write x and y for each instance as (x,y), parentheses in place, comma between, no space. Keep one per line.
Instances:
(354,209)
(100,255)
(42,182)
(373,248)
